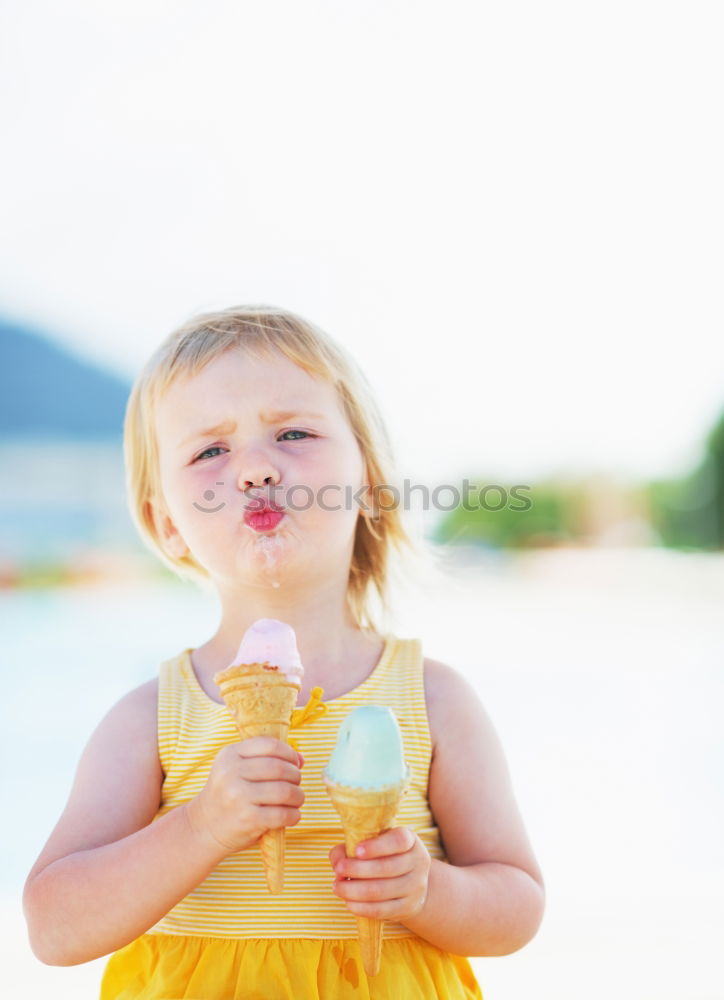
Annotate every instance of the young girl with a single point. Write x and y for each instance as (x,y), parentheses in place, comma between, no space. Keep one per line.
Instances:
(256,463)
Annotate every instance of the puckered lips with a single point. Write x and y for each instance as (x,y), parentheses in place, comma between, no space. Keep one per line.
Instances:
(262,514)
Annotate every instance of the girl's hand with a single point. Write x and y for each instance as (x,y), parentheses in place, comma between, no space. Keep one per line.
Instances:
(389,877)
(253,786)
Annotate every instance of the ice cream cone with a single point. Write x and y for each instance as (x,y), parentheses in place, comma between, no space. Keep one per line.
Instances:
(261,699)
(366,813)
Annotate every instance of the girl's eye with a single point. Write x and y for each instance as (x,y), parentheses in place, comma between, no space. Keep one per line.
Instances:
(282,436)
(207,451)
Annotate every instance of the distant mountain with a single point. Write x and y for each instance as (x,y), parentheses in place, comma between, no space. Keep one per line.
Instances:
(45,391)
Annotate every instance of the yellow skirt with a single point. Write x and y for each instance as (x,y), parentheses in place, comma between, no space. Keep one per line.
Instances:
(169,967)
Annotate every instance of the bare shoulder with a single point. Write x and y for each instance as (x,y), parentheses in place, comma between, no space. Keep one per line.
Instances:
(460,726)
(137,709)
(447,695)
(128,731)
(470,788)
(117,785)
(126,738)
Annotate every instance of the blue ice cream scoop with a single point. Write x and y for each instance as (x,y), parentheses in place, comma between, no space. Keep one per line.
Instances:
(368,752)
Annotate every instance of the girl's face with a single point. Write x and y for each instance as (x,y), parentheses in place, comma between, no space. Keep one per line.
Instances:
(246,435)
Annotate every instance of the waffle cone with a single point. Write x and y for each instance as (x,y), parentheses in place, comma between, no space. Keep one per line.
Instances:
(366,813)
(261,699)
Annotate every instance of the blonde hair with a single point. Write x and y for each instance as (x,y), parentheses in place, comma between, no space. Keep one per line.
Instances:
(261,330)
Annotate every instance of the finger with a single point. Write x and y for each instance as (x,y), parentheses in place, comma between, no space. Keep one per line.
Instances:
(270,769)
(275,817)
(374,890)
(267,746)
(395,841)
(276,793)
(392,866)
(336,854)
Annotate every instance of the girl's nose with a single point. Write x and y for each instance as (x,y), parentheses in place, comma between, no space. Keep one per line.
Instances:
(258,481)
(257,469)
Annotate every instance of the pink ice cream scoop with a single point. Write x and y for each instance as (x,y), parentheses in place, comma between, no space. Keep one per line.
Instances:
(273,642)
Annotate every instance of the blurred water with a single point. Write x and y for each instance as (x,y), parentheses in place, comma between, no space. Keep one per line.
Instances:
(602,671)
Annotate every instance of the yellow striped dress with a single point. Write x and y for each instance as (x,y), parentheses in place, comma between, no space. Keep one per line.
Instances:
(230,938)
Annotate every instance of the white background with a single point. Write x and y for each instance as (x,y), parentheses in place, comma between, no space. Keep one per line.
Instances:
(511,213)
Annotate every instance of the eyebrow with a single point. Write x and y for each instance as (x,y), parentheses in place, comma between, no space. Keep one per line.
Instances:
(229,426)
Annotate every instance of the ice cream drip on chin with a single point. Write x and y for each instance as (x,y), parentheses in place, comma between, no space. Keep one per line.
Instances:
(270,548)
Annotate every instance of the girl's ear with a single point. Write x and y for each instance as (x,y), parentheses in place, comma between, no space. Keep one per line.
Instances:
(167,533)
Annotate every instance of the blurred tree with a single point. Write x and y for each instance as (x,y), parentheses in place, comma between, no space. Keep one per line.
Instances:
(688,512)
(536,516)
(715,451)
(684,513)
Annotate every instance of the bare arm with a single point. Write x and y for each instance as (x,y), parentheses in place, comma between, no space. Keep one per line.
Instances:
(107,874)
(489,899)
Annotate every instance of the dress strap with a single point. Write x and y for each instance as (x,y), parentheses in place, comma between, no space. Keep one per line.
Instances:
(170,708)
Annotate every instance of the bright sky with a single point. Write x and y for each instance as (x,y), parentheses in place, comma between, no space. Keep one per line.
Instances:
(510,213)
